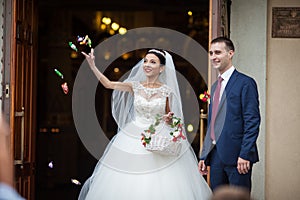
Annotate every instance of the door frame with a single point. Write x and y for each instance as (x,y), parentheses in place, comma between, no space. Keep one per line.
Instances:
(16,92)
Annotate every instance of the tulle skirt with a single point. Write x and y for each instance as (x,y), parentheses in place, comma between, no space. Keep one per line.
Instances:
(128,171)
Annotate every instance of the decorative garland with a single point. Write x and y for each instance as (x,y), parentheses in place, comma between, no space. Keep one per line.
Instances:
(176,133)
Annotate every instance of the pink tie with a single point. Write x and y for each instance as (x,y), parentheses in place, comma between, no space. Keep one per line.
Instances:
(214,110)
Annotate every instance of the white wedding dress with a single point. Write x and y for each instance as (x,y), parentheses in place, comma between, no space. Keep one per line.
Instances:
(127,171)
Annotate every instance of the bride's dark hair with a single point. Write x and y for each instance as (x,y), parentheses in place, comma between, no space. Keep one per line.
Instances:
(160,54)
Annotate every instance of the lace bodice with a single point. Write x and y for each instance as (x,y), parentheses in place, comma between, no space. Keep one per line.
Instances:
(149,102)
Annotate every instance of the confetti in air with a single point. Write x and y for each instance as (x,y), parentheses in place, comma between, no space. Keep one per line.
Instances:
(50,165)
(59,73)
(64,85)
(65,88)
(73,46)
(80,39)
(75,181)
(84,40)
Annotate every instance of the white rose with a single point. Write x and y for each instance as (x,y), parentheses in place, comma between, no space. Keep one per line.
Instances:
(175,121)
(147,134)
(176,133)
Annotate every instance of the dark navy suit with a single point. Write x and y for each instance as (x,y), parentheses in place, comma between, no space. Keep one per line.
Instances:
(236,129)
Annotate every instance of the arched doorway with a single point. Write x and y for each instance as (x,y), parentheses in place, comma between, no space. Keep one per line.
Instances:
(61,155)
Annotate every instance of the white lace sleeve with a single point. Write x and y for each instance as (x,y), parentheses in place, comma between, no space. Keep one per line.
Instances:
(166,91)
(135,86)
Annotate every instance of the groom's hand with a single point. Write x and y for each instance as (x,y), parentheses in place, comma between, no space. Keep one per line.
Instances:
(243,166)
(202,168)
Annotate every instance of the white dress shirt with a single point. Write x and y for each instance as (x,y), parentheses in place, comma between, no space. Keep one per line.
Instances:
(226,76)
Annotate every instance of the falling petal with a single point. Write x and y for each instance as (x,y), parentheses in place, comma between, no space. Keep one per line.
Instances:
(65,88)
(59,73)
(75,181)
(50,165)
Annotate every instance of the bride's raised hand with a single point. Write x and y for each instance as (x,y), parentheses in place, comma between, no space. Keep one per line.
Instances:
(91,61)
(102,78)
(90,58)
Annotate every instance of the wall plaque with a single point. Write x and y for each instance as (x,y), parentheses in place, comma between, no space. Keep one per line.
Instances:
(286,22)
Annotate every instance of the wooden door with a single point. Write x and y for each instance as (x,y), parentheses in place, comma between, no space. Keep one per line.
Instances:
(219,25)
(219,15)
(20,93)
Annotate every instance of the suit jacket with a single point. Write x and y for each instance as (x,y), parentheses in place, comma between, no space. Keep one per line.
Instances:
(237,121)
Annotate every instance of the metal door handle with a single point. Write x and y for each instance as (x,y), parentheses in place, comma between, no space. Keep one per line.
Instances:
(21,114)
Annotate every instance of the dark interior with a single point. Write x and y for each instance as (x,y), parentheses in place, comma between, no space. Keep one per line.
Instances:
(61,157)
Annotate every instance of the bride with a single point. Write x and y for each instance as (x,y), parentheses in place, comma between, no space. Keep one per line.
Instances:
(128,170)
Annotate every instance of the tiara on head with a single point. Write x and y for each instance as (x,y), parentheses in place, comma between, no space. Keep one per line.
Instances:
(156,51)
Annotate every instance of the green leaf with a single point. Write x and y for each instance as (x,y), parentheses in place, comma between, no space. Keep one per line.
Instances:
(147,140)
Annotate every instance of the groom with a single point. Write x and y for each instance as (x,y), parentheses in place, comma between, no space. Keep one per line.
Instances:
(233,122)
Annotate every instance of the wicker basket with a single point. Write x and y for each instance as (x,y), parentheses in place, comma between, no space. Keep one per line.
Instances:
(164,145)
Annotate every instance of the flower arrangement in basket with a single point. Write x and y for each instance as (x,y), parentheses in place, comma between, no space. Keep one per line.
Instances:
(161,144)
